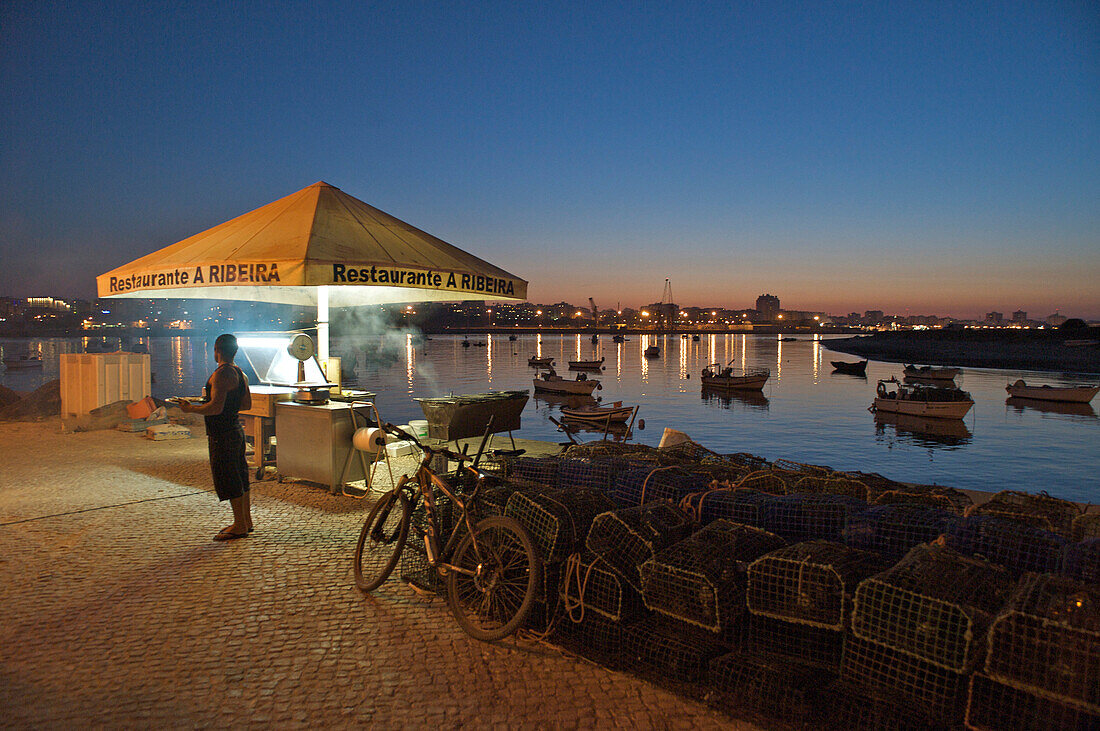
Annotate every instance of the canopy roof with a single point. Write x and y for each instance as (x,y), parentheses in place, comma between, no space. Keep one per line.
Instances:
(319,237)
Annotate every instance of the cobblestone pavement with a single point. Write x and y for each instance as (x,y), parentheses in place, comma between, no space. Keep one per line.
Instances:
(119,614)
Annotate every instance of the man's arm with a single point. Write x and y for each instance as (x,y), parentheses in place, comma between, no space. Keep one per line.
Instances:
(246,399)
(220,385)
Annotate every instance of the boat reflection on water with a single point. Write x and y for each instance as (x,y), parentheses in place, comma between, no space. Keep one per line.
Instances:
(726,399)
(924,431)
(568,400)
(553,402)
(1063,408)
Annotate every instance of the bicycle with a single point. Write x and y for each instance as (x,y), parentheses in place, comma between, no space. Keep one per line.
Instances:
(490,566)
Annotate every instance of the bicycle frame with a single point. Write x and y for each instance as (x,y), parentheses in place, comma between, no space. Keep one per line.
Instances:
(425,480)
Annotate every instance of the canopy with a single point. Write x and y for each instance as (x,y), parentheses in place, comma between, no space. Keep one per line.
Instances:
(319,242)
(319,246)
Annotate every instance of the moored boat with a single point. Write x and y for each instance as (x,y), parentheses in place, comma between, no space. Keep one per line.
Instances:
(554,383)
(22,362)
(652,352)
(1065,394)
(618,339)
(855,369)
(590,365)
(748,379)
(926,401)
(611,414)
(537,362)
(930,373)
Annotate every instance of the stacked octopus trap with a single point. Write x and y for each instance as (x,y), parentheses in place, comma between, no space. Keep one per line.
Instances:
(795,592)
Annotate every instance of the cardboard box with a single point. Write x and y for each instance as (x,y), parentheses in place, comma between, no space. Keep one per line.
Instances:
(141,409)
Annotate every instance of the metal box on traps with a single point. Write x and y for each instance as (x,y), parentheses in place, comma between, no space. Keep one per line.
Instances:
(811,583)
(625,539)
(994,706)
(935,605)
(701,580)
(779,689)
(1047,641)
(558,520)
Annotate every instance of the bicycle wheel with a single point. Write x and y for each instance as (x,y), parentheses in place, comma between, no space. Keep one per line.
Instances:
(495,601)
(381,540)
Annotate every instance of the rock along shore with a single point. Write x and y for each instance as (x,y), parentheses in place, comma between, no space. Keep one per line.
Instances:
(1041,350)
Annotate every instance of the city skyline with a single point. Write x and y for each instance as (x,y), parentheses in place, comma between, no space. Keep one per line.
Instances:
(932,160)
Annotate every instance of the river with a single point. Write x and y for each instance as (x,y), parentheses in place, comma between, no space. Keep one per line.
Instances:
(806,413)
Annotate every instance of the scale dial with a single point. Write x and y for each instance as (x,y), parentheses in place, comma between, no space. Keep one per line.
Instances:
(301,347)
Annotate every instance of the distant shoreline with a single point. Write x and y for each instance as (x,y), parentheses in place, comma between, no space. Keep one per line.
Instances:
(1023,350)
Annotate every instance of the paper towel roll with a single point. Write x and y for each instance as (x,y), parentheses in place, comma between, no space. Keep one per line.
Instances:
(368,439)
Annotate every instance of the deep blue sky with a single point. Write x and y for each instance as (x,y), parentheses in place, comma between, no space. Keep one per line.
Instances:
(934,157)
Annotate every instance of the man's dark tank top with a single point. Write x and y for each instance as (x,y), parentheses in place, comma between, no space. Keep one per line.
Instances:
(227,420)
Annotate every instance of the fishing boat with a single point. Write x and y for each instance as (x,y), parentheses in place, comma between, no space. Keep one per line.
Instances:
(586,365)
(694,338)
(652,352)
(614,413)
(512,338)
(554,383)
(917,400)
(1065,394)
(747,379)
(928,373)
(618,339)
(853,369)
(22,362)
(536,362)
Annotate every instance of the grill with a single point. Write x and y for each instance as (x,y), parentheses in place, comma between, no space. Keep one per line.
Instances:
(462,417)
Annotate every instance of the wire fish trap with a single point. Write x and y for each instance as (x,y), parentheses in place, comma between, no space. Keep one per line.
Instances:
(539,470)
(1016,546)
(875,483)
(1081,561)
(931,496)
(924,688)
(1036,510)
(588,474)
(642,486)
(935,604)
(810,583)
(415,569)
(684,453)
(801,468)
(794,642)
(701,580)
(1047,640)
(750,462)
(590,586)
(852,707)
(893,530)
(673,650)
(558,520)
(547,599)
(779,689)
(747,507)
(831,485)
(633,452)
(625,539)
(594,637)
(763,481)
(994,706)
(811,517)
(1086,526)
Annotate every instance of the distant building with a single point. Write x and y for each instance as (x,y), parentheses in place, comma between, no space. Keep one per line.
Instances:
(48,303)
(994,318)
(767,306)
(1019,316)
(1056,319)
(873,317)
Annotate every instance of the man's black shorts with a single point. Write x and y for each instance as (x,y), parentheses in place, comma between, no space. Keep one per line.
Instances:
(228,464)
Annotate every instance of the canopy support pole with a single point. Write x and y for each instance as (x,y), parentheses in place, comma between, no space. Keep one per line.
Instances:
(322,323)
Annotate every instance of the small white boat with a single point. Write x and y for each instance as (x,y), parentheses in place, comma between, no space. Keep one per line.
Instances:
(615,413)
(581,365)
(1066,394)
(749,379)
(554,383)
(652,352)
(930,373)
(927,401)
(22,362)
(537,362)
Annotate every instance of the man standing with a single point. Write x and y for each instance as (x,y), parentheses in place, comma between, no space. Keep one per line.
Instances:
(224,396)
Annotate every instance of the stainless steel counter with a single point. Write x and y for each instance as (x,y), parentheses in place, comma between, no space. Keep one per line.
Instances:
(314,441)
